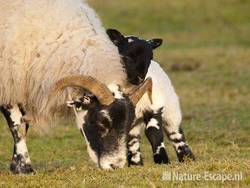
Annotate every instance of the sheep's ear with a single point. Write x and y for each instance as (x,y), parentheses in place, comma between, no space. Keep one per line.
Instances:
(155,43)
(84,101)
(70,104)
(115,36)
(75,104)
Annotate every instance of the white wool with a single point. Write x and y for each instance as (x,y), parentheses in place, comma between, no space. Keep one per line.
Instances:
(163,95)
(43,41)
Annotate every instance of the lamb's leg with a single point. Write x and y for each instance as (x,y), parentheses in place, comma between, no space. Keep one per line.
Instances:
(21,163)
(176,136)
(154,133)
(133,144)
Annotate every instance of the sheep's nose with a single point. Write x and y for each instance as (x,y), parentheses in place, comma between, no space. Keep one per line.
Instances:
(110,167)
(113,166)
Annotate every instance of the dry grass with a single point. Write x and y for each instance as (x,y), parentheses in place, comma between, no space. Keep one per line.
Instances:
(215,99)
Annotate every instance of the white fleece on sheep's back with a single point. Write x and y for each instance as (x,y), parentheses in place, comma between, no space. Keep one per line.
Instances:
(163,95)
(43,41)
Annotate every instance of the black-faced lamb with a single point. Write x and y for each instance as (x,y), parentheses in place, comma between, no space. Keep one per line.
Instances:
(163,113)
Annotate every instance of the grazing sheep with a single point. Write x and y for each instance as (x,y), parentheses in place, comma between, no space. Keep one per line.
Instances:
(46,46)
(164,112)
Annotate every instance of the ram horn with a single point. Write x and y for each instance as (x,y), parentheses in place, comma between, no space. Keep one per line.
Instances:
(102,93)
(137,93)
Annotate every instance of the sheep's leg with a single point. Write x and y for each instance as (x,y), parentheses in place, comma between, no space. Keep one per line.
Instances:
(134,137)
(176,136)
(154,133)
(21,163)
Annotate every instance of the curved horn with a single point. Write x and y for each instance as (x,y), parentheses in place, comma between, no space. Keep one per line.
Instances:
(102,93)
(137,94)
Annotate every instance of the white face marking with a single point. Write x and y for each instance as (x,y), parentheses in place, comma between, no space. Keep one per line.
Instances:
(153,123)
(177,136)
(115,89)
(110,162)
(106,114)
(118,159)
(16,115)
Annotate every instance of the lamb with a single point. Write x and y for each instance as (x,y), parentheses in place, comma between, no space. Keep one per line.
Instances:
(164,112)
(48,46)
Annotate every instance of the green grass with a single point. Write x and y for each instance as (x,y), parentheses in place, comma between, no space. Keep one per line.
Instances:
(215,97)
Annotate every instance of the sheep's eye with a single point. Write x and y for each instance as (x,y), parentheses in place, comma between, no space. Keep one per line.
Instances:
(103,129)
(78,106)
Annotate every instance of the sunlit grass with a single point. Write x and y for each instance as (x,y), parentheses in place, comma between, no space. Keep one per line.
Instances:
(215,99)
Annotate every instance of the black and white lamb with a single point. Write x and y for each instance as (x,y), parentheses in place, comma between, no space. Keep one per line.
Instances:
(163,113)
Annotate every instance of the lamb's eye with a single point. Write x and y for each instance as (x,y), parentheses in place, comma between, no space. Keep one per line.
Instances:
(132,55)
(129,59)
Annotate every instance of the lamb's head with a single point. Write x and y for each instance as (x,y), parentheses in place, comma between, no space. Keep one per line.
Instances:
(136,54)
(103,117)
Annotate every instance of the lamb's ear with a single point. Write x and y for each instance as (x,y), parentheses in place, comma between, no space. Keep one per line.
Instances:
(155,43)
(115,36)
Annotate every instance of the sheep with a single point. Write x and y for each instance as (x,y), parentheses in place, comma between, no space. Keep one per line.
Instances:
(45,47)
(164,112)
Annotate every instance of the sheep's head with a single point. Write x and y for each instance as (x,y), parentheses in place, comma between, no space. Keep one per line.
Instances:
(103,117)
(136,54)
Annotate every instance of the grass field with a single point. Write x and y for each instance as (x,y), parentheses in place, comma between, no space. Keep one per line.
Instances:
(211,36)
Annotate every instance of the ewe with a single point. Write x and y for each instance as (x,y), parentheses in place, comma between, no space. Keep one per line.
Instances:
(46,46)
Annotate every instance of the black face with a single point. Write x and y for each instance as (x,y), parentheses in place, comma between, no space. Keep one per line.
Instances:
(136,54)
(105,129)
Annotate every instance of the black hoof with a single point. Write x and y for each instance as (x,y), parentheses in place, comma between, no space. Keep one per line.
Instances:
(18,166)
(133,163)
(185,153)
(161,157)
